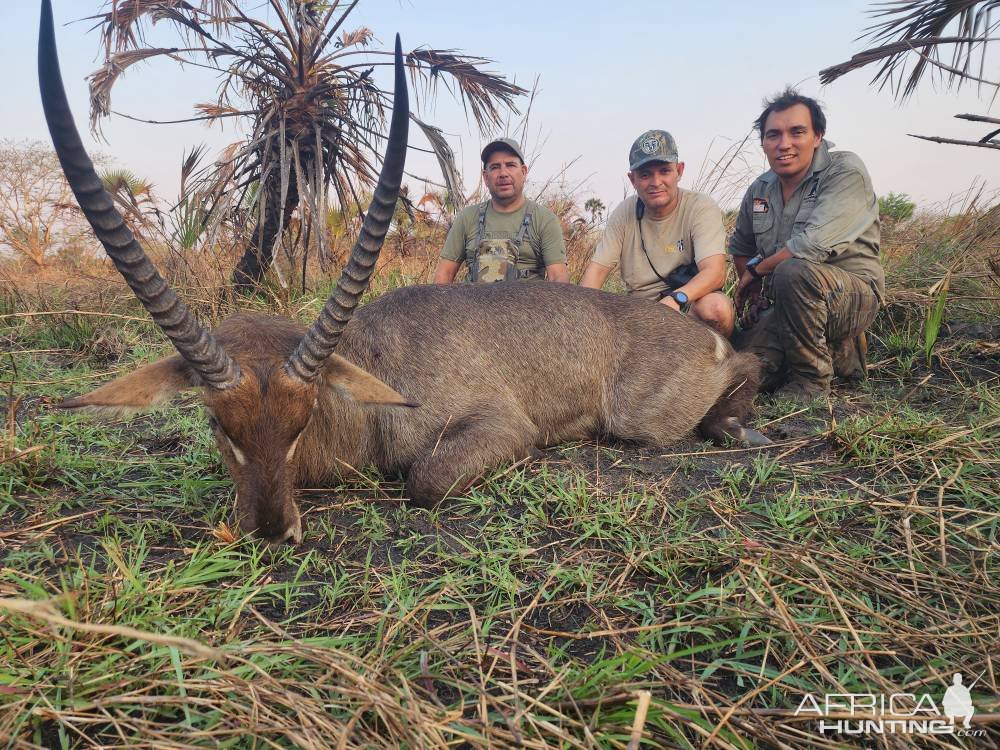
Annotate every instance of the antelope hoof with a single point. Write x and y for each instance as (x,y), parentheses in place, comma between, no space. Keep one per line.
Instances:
(752,438)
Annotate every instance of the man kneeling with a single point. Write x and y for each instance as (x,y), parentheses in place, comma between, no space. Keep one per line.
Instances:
(806,245)
(669,242)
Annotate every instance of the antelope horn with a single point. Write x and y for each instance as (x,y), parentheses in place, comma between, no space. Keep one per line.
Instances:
(194,343)
(321,339)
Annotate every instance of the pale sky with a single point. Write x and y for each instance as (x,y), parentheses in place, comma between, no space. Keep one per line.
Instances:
(607,71)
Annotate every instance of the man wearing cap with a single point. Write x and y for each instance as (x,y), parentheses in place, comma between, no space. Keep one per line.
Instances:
(508,237)
(669,242)
(806,249)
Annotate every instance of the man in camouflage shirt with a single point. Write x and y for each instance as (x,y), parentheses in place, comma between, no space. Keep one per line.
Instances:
(508,237)
(806,245)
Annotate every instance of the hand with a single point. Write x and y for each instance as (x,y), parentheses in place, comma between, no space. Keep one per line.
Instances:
(747,291)
(671,303)
(752,314)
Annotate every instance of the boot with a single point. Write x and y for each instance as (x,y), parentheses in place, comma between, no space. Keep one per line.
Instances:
(850,358)
(802,391)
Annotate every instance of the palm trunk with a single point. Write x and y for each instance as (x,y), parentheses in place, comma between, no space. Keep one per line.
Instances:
(257,258)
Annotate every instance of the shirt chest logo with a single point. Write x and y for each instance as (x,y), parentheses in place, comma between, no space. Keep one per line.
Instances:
(760,206)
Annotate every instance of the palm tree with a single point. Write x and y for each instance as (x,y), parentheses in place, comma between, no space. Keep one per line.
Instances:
(304,87)
(134,196)
(916,33)
(596,208)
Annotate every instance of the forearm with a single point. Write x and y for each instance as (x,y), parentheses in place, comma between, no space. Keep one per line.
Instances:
(710,278)
(558,272)
(740,263)
(446,271)
(771,262)
(845,208)
(595,276)
(704,282)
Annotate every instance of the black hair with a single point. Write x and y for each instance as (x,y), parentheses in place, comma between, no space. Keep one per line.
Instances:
(789,98)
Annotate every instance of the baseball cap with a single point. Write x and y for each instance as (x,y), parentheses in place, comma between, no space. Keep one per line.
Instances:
(653,145)
(502,144)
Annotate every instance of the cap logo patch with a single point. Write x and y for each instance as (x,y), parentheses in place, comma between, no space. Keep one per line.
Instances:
(650,146)
(759,206)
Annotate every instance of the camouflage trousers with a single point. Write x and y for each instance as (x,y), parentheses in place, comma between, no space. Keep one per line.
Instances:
(816,309)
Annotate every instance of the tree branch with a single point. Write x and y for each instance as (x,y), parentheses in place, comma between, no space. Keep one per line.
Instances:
(980,118)
(200,118)
(938,139)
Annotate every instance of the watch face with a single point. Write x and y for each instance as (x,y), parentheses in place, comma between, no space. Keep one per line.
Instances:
(680,298)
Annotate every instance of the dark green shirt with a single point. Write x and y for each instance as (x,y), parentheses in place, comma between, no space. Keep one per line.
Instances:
(832,217)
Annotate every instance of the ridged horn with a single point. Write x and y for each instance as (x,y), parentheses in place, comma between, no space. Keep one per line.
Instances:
(321,339)
(194,343)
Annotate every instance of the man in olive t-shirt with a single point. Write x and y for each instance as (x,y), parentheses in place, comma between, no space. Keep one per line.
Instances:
(508,237)
(656,233)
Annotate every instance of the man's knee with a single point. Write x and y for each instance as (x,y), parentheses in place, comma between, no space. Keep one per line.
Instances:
(794,276)
(717,310)
(801,294)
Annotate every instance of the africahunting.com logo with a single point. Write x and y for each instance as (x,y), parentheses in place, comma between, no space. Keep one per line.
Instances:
(897,713)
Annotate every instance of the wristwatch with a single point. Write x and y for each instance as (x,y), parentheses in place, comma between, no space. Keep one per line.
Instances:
(752,266)
(681,299)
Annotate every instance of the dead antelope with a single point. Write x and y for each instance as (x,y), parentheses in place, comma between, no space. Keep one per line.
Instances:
(442,383)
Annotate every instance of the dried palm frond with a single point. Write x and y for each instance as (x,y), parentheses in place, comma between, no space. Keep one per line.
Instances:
(917,31)
(480,91)
(446,160)
(104,78)
(213,110)
(362,37)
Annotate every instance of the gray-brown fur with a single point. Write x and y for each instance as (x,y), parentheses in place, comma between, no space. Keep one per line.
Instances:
(571,362)
(496,370)
(461,380)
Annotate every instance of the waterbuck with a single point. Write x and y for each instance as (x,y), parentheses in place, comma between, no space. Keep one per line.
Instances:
(442,383)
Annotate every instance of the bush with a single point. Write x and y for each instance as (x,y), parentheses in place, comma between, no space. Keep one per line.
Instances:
(895,207)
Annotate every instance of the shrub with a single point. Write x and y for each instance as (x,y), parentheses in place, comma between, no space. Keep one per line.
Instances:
(895,207)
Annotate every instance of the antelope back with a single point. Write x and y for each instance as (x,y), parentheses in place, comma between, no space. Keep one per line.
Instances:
(572,361)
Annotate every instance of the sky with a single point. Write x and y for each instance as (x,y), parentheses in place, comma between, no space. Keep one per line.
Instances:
(605,72)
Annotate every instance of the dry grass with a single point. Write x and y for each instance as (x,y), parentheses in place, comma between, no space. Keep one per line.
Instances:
(601,596)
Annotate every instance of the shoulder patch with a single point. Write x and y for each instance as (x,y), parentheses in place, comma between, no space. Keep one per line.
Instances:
(760,206)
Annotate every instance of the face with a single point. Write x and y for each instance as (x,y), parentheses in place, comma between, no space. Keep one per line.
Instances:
(789,141)
(257,428)
(504,175)
(656,184)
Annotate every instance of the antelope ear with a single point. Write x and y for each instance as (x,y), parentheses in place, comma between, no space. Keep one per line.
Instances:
(150,385)
(361,385)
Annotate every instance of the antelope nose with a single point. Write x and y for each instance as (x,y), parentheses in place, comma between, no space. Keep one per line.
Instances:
(292,535)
